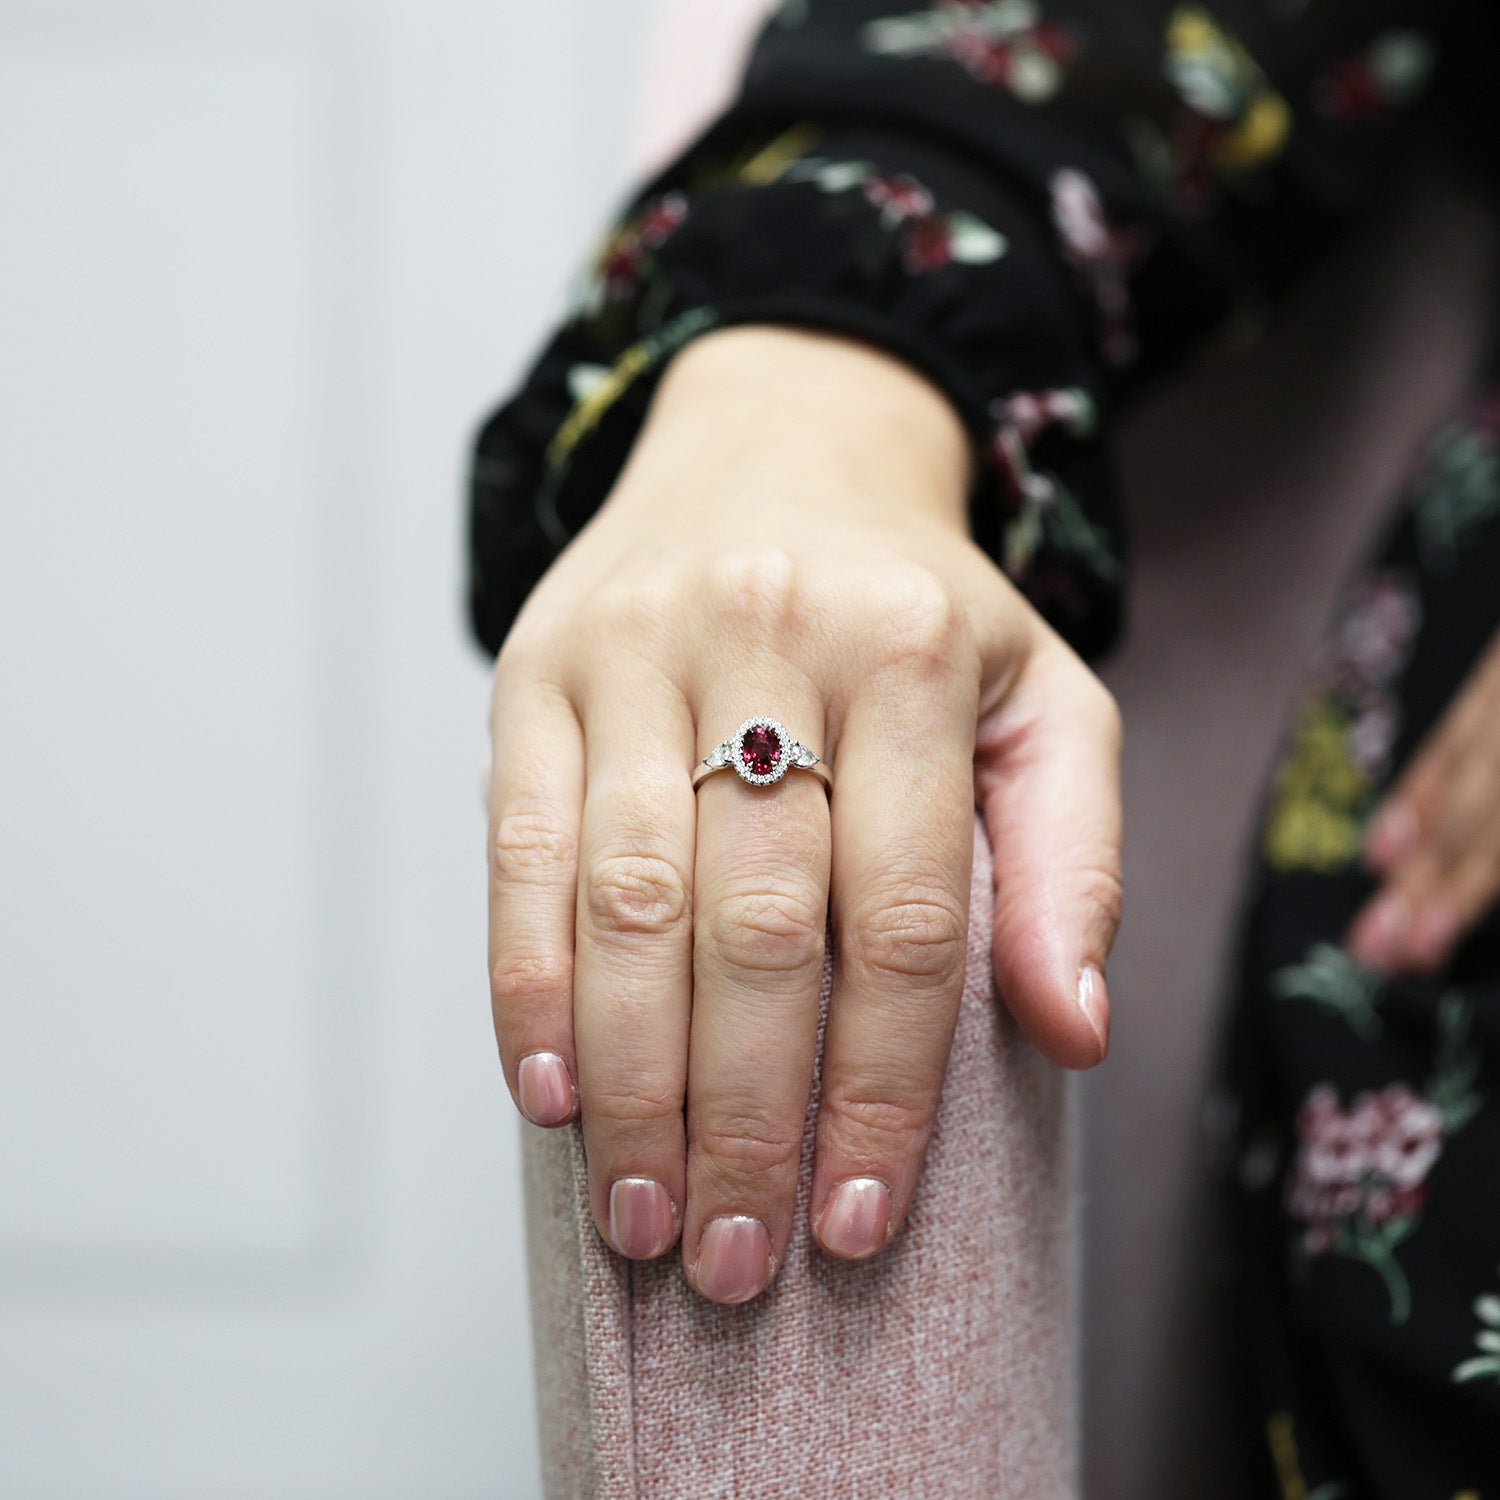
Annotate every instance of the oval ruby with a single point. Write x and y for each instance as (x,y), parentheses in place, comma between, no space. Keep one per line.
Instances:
(761,750)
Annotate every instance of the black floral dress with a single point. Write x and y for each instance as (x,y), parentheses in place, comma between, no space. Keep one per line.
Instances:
(1047,208)
(1365,1195)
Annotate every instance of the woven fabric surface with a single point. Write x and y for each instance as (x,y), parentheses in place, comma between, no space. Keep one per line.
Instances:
(943,1369)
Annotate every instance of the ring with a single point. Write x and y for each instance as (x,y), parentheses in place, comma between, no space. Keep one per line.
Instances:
(761,751)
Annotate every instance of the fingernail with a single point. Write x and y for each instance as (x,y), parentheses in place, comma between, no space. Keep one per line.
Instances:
(855,1218)
(734,1259)
(1380,933)
(641,1223)
(543,1089)
(1391,836)
(1433,933)
(1093,1001)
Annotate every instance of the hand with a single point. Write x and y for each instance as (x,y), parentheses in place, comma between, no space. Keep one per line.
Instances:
(1435,841)
(789,537)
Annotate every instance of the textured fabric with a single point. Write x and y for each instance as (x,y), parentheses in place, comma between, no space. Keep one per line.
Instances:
(1041,207)
(945,1368)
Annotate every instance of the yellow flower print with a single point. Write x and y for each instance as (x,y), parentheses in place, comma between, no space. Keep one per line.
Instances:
(1220,81)
(1318,796)
(1281,1437)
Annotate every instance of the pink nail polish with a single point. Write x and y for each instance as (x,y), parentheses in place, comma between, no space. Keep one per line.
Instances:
(1093,1001)
(1392,836)
(855,1218)
(734,1259)
(1380,934)
(1433,933)
(544,1090)
(641,1222)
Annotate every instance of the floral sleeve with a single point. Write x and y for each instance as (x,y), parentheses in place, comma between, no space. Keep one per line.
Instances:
(1041,207)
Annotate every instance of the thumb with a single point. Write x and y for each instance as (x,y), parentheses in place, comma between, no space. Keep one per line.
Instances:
(1047,777)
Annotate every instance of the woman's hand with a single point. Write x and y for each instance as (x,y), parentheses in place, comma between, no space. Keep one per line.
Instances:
(1435,841)
(789,538)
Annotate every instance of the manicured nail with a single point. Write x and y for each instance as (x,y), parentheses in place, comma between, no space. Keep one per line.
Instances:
(734,1259)
(641,1223)
(1380,933)
(1391,836)
(855,1218)
(544,1090)
(1434,932)
(1093,1001)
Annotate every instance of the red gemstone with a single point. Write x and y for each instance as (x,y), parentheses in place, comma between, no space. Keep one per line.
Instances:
(761,750)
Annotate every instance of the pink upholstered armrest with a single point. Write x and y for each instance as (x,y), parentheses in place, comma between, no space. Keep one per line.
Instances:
(943,1369)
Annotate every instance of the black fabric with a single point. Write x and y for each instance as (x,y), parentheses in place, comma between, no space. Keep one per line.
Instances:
(1365,1197)
(1157,172)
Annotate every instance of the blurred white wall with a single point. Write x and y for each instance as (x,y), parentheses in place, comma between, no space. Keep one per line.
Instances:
(262,268)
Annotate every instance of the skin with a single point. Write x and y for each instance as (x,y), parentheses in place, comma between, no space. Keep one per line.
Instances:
(1435,841)
(788,537)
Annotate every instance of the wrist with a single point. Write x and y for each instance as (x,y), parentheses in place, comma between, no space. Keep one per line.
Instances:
(836,421)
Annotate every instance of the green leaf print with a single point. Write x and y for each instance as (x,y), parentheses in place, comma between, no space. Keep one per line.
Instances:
(1329,978)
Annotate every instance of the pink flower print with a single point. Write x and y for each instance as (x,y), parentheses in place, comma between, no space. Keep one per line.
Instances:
(928,240)
(1019,421)
(931,241)
(1320,1107)
(1318,1240)
(1102,256)
(1386,1204)
(622,264)
(625,254)
(1374,636)
(899,197)
(1392,71)
(927,244)
(661,218)
(1372,734)
(1350,92)
(1029,63)
(1031,412)
(1004,43)
(1043,511)
(1195,139)
(1359,1180)
(1409,1140)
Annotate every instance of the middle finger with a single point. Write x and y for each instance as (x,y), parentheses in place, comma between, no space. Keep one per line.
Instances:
(761,891)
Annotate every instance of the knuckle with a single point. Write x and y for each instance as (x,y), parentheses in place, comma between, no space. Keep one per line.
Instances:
(766,931)
(754,583)
(924,627)
(1095,884)
(748,1144)
(645,1103)
(633,612)
(522,657)
(912,938)
(528,843)
(636,893)
(884,1126)
(527,981)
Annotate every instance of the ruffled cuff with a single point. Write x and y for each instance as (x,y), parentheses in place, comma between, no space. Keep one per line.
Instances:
(861,232)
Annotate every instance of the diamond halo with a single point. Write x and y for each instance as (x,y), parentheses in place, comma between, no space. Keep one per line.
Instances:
(761,751)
